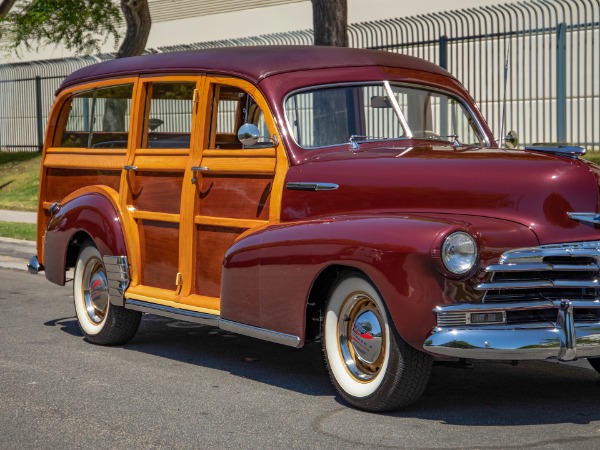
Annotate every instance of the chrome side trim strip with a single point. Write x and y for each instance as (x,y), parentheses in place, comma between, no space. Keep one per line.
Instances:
(589,217)
(311,186)
(260,333)
(214,320)
(173,313)
(117,274)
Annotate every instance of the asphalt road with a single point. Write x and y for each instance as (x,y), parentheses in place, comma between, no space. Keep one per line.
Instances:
(180,385)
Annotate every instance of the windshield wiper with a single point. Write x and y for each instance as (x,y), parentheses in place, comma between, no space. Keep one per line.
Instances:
(355,139)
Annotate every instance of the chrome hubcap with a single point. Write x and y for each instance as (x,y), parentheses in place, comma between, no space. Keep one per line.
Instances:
(95,291)
(362,337)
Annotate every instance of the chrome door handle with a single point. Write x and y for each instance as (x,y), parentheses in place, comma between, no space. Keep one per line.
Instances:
(130,168)
(198,169)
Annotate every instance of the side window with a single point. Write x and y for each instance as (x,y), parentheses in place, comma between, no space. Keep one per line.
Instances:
(98,118)
(168,118)
(233,107)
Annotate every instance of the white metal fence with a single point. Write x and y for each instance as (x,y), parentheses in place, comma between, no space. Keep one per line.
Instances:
(553,84)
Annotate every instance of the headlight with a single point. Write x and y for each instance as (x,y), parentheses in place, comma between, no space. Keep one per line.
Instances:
(459,253)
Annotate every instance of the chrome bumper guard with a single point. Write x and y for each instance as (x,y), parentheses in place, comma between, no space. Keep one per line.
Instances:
(33,266)
(564,339)
(117,274)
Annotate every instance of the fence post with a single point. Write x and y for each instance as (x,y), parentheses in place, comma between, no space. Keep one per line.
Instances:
(561,82)
(443,44)
(38,110)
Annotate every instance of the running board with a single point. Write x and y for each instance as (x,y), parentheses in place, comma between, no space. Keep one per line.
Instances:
(214,320)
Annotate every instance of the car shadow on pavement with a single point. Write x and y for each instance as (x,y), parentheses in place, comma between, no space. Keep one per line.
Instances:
(481,394)
(300,370)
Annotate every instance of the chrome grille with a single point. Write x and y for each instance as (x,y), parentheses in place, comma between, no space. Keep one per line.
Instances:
(451,319)
(549,272)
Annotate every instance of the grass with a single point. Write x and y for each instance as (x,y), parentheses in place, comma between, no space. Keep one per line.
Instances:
(593,157)
(19,180)
(18,230)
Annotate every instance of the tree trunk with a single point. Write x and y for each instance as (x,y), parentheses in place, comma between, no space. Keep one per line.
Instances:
(138,20)
(6,6)
(330,22)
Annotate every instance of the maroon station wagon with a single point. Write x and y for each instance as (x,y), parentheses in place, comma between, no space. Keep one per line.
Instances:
(353,197)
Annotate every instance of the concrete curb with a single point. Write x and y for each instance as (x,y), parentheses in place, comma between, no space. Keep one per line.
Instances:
(15,253)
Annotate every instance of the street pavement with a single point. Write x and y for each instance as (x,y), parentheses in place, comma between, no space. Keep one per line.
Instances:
(183,385)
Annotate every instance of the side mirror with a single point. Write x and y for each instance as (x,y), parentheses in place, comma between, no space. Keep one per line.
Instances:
(511,140)
(248,134)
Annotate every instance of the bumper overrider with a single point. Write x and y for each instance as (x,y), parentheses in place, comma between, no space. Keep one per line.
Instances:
(539,303)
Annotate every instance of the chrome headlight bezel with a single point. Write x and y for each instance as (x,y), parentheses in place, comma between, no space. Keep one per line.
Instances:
(459,253)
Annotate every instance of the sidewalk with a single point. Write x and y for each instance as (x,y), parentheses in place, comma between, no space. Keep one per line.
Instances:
(17,216)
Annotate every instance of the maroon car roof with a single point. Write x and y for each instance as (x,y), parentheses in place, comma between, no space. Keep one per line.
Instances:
(253,63)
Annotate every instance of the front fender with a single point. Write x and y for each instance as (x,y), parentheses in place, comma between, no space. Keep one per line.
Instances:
(90,213)
(268,274)
(285,260)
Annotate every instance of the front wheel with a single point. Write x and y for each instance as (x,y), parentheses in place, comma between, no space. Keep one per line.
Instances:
(371,367)
(100,322)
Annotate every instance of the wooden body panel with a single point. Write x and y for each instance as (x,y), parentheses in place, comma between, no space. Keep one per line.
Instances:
(156,191)
(62,182)
(159,244)
(240,197)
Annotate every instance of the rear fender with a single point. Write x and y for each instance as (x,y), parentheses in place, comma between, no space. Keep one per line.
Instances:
(93,214)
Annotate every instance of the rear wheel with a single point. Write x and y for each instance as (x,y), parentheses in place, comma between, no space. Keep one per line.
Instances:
(100,322)
(370,365)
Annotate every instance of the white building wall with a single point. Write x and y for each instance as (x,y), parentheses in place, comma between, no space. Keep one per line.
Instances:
(189,21)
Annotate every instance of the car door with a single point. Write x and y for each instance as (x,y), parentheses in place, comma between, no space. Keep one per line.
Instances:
(153,187)
(236,188)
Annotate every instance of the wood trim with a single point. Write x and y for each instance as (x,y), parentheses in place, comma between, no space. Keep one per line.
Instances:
(187,231)
(247,165)
(263,152)
(203,301)
(86,151)
(161,152)
(228,222)
(197,303)
(158,163)
(84,161)
(156,216)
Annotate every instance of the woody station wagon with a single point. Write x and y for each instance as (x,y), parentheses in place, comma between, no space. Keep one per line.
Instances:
(291,194)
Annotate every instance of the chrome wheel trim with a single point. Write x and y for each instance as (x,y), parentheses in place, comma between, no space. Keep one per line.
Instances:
(362,337)
(340,300)
(95,291)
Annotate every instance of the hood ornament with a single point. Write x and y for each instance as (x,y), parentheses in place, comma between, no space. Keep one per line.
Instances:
(588,217)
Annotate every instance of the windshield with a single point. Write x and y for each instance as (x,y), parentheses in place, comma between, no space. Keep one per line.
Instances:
(330,116)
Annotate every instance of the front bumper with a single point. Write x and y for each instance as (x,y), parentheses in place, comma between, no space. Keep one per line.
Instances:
(563,339)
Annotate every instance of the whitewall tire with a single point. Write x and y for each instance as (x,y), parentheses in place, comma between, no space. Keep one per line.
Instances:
(100,322)
(370,365)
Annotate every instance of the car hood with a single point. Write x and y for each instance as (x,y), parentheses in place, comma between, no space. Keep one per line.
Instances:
(534,189)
